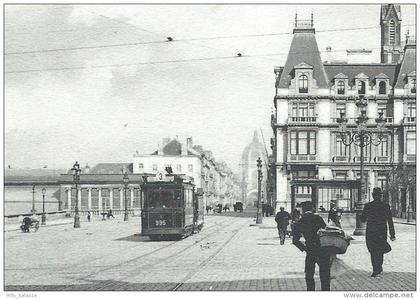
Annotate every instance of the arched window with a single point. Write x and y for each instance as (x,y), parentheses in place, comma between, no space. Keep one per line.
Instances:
(361,87)
(303,84)
(392,32)
(340,87)
(382,87)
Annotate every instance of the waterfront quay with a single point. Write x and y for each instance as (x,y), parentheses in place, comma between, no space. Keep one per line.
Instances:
(230,253)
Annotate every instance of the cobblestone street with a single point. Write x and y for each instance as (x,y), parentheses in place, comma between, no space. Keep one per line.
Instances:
(228,254)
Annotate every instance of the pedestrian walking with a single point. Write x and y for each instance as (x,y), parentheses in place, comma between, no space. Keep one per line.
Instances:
(88,216)
(377,214)
(282,219)
(308,227)
(295,217)
(334,216)
(110,214)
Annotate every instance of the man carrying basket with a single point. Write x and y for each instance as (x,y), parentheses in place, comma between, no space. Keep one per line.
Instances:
(308,227)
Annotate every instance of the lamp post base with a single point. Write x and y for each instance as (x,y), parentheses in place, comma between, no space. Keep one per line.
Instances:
(43,219)
(125,216)
(259,217)
(76,221)
(360,226)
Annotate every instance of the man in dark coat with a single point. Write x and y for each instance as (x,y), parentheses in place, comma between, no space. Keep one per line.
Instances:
(377,214)
(308,227)
(282,219)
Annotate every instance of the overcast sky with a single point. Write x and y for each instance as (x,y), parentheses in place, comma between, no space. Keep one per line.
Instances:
(126,88)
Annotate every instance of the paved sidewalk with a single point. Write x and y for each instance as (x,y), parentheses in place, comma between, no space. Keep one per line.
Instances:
(228,254)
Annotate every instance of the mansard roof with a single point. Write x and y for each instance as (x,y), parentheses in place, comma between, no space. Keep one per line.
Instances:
(111,168)
(304,49)
(408,65)
(370,70)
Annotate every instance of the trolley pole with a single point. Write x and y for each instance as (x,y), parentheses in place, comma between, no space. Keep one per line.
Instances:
(259,212)
(125,181)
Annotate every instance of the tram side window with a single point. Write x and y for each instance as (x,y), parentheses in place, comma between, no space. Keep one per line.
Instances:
(187,198)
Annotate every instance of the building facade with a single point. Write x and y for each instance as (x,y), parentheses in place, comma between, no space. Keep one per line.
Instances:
(311,162)
(214,178)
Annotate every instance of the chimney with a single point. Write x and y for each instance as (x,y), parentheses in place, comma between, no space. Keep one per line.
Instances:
(189,142)
(329,54)
(184,148)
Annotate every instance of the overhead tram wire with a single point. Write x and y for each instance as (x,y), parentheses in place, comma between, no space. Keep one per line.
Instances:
(164,62)
(174,40)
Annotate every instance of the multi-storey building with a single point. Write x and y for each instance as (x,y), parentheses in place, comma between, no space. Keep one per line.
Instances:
(212,177)
(311,162)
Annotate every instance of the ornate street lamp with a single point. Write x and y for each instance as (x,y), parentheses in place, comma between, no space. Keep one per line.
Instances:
(126,181)
(361,137)
(259,212)
(43,206)
(76,179)
(33,199)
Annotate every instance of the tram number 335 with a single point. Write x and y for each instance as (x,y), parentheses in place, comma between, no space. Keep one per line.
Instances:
(160,222)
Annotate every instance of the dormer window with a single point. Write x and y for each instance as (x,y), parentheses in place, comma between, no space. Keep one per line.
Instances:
(341,87)
(303,84)
(413,85)
(382,87)
(361,87)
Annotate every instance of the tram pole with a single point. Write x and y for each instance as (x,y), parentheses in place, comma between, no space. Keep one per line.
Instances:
(125,180)
(259,212)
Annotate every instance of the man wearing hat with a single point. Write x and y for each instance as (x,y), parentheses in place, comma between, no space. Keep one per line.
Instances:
(282,219)
(377,214)
(308,227)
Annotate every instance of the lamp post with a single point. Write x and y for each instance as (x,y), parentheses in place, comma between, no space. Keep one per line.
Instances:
(259,213)
(43,206)
(76,179)
(33,199)
(125,180)
(362,137)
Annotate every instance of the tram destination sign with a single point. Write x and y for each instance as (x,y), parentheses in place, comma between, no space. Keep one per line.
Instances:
(160,177)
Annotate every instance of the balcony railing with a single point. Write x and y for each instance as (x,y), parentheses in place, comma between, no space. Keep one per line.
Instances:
(340,159)
(357,159)
(298,158)
(381,159)
(409,119)
(302,119)
(411,158)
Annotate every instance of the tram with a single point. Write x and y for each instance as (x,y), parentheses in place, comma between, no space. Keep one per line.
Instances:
(170,207)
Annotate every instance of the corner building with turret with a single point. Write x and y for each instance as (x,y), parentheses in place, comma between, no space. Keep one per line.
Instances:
(311,161)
